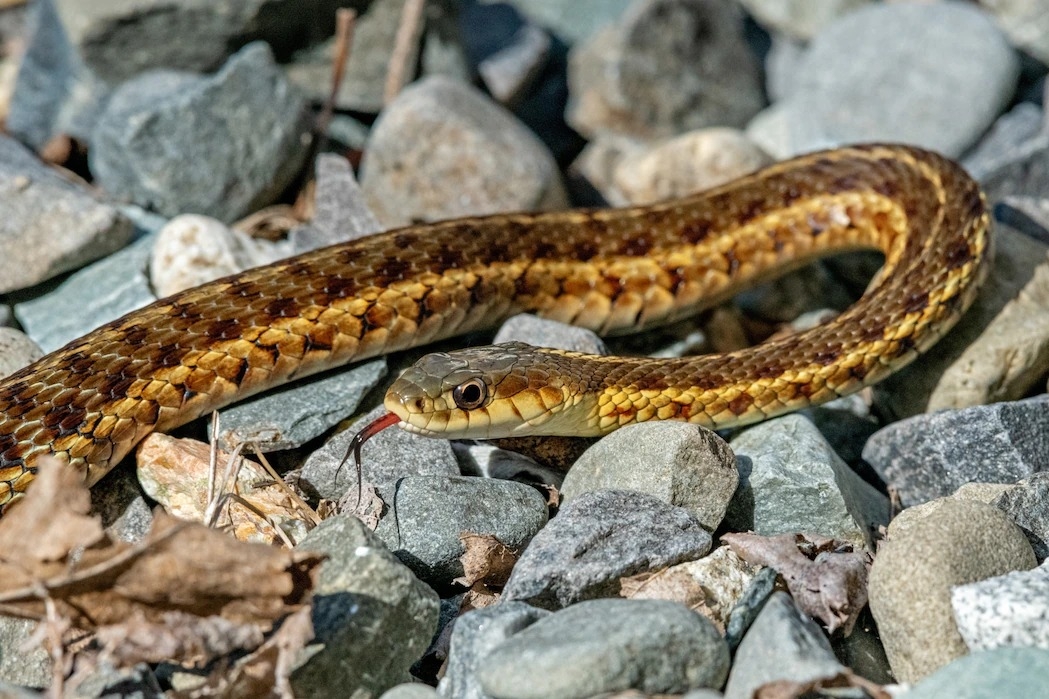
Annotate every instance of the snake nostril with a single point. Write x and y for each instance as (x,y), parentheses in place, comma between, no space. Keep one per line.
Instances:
(418,404)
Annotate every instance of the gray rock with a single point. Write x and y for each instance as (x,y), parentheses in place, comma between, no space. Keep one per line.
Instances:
(928,550)
(372,617)
(483,459)
(781,644)
(89,298)
(1027,503)
(599,538)
(1009,610)
(364,79)
(55,92)
(654,646)
(16,350)
(791,480)
(512,70)
(1009,139)
(50,225)
(410,173)
(428,514)
(684,465)
(173,141)
(340,213)
(781,65)
(121,504)
(289,417)
(475,635)
(668,67)
(13,691)
(1020,170)
(543,332)
(1029,215)
(26,668)
(119,39)
(571,21)
(862,652)
(1026,24)
(935,75)
(1003,673)
(413,690)
(387,457)
(929,456)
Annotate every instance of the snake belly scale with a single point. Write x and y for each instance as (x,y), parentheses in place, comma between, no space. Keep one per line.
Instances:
(612,270)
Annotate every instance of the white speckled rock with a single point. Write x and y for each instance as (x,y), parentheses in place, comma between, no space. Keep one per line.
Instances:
(928,550)
(193,249)
(1009,610)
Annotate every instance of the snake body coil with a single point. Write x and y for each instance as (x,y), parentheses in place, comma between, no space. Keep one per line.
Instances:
(90,402)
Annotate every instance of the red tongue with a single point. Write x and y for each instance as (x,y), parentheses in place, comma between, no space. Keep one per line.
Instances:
(370,430)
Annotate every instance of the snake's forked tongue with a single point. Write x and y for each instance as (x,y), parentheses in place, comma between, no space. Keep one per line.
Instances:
(367,432)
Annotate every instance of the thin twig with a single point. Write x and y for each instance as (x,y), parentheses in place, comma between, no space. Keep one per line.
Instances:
(300,504)
(345,21)
(407,35)
(233,466)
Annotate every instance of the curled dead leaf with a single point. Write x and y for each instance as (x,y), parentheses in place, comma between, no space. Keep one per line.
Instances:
(827,579)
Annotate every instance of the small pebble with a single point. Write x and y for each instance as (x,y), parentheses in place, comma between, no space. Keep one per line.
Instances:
(928,550)
(598,538)
(681,464)
(597,646)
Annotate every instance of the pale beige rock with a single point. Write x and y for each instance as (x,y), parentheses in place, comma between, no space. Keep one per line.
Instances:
(987,493)
(443,150)
(928,550)
(1008,357)
(192,249)
(687,164)
(724,577)
(1025,22)
(597,163)
(770,130)
(801,19)
(908,391)
(16,351)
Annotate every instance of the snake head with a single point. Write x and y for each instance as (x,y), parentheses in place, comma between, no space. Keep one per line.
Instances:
(480,393)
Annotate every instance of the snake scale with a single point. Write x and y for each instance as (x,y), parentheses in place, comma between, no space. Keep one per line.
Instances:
(612,270)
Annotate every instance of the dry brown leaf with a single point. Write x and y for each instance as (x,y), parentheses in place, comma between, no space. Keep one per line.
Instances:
(195,640)
(175,472)
(266,671)
(486,560)
(671,584)
(179,566)
(788,689)
(827,579)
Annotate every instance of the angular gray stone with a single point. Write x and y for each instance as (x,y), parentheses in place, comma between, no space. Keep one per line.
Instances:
(608,645)
(749,606)
(781,644)
(792,481)
(16,350)
(935,75)
(50,225)
(668,66)
(475,635)
(684,465)
(1027,503)
(929,549)
(571,21)
(340,212)
(410,173)
(415,690)
(800,19)
(372,617)
(597,539)
(1009,610)
(121,503)
(543,332)
(930,456)
(288,417)
(427,515)
(1003,673)
(1011,137)
(387,457)
(89,298)
(179,143)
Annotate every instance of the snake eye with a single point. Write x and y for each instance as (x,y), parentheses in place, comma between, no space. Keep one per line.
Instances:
(470,394)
